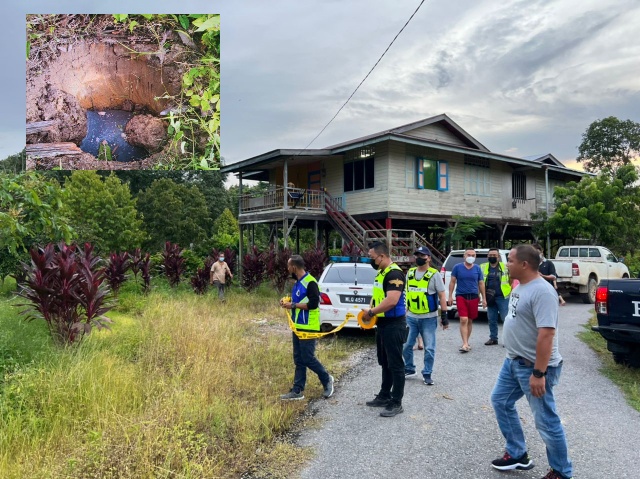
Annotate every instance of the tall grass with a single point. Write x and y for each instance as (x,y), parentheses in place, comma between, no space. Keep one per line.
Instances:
(183,386)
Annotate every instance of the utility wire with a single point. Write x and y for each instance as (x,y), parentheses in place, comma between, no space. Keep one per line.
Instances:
(366,76)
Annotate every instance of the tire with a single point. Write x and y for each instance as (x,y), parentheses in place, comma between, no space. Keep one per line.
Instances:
(326,327)
(451,314)
(625,276)
(621,358)
(590,296)
(634,358)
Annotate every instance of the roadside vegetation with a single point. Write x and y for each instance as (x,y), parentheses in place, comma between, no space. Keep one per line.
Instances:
(628,379)
(182,386)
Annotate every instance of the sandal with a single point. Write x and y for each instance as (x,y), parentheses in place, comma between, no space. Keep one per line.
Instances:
(464,350)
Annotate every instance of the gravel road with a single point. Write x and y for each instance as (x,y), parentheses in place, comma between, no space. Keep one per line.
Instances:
(449,429)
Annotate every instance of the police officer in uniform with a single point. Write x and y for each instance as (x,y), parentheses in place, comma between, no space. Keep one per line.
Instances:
(305,313)
(497,289)
(389,306)
(424,288)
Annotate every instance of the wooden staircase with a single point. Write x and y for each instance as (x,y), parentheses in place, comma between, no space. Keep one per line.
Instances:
(402,243)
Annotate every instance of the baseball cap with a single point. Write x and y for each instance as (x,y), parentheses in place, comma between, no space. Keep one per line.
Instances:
(423,250)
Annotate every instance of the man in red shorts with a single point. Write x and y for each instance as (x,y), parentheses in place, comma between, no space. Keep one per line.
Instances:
(470,281)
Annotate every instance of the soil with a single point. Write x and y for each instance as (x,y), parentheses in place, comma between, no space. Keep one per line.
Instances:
(99,71)
(146,131)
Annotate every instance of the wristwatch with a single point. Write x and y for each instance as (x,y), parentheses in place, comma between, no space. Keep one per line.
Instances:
(539,374)
(370,314)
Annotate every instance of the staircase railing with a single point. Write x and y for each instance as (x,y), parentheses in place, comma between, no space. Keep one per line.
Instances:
(344,223)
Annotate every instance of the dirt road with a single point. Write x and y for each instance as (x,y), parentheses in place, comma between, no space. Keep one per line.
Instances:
(449,429)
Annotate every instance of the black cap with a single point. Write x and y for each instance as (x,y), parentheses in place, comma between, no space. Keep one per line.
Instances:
(423,250)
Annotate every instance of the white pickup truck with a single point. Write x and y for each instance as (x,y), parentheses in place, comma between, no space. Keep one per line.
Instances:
(579,269)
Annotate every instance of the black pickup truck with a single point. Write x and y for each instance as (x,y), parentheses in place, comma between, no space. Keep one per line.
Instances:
(618,312)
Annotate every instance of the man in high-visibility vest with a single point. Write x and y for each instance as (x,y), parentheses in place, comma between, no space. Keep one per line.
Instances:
(305,313)
(424,288)
(497,287)
(388,305)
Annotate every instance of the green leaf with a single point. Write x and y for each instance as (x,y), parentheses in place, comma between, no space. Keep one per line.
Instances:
(132,25)
(148,16)
(211,23)
(204,104)
(184,21)
(187,80)
(28,48)
(195,100)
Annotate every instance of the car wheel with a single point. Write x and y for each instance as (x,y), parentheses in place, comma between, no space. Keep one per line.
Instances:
(621,358)
(451,314)
(634,358)
(590,296)
(326,327)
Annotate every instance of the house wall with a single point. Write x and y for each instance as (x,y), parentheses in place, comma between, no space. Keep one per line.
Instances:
(436,132)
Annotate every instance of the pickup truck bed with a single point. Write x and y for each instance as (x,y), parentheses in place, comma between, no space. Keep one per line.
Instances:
(618,313)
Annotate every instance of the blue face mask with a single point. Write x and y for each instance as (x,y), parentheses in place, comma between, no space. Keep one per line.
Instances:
(220,259)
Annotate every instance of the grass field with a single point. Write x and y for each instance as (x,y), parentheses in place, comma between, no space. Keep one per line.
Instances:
(182,387)
(626,378)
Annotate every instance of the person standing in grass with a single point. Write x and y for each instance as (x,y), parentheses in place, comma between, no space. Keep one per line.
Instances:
(218,276)
(305,314)
(531,369)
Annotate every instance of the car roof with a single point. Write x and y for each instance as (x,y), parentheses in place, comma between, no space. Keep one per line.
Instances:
(477,250)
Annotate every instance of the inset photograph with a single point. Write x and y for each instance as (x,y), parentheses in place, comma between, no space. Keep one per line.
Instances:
(123,92)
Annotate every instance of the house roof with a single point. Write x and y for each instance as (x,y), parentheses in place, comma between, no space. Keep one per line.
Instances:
(257,165)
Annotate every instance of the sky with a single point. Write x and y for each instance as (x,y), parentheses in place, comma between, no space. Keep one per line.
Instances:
(523,77)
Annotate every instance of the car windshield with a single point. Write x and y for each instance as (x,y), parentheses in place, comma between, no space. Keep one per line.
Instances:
(364,275)
(454,259)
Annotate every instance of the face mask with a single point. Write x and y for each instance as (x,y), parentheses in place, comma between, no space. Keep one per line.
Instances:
(421,261)
(220,259)
(374,265)
(470,259)
(541,257)
(294,276)
(493,260)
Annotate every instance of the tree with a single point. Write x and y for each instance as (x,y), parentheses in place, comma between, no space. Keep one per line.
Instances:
(14,163)
(103,212)
(609,144)
(226,231)
(462,229)
(174,212)
(603,209)
(30,213)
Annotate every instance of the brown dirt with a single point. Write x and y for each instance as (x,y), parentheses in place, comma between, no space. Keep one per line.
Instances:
(54,104)
(146,131)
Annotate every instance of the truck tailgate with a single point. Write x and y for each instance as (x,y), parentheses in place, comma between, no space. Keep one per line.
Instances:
(563,269)
(624,301)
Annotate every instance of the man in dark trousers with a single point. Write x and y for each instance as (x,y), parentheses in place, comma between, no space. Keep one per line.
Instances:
(498,289)
(388,305)
(305,313)
(531,369)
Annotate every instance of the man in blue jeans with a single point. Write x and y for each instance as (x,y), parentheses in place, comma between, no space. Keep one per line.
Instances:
(424,288)
(532,368)
(497,286)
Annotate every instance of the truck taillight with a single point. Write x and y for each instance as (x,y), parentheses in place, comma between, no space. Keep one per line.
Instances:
(324,298)
(575,269)
(443,272)
(602,296)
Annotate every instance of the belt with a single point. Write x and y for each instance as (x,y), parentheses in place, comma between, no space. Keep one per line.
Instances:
(525,361)
(468,296)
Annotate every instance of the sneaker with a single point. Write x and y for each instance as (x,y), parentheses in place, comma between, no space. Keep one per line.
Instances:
(392,409)
(378,402)
(555,475)
(410,375)
(292,396)
(507,463)
(328,389)
(427,380)
(491,342)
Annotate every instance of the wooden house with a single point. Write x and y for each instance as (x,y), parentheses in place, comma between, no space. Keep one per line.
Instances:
(403,185)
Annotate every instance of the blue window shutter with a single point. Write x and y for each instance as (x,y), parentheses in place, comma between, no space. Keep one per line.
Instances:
(443,176)
(419,174)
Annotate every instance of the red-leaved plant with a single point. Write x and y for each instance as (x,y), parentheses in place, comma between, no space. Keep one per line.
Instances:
(173,264)
(135,263)
(252,269)
(145,273)
(116,270)
(277,267)
(200,280)
(315,261)
(350,249)
(66,289)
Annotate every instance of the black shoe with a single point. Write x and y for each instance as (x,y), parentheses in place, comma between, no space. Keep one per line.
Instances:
(507,463)
(410,375)
(378,402)
(292,396)
(427,380)
(392,409)
(555,475)
(491,342)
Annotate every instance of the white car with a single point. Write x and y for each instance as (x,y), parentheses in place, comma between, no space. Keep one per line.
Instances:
(457,256)
(345,290)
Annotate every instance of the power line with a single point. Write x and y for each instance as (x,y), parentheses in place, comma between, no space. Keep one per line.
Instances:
(366,76)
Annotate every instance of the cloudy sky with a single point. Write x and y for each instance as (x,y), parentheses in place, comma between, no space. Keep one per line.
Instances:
(523,77)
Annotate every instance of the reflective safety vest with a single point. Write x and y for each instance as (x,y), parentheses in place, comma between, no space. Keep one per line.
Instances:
(504,277)
(304,319)
(419,300)
(400,308)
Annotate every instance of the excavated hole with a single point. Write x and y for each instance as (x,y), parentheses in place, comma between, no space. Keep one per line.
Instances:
(93,88)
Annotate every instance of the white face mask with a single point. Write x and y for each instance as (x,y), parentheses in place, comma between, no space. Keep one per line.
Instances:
(470,259)
(221,259)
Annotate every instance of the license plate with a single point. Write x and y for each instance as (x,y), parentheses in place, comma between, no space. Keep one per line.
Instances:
(353,299)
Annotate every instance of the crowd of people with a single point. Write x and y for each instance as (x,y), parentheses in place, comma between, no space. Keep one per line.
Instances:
(407,306)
